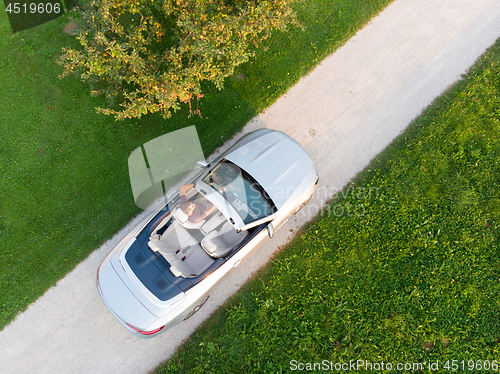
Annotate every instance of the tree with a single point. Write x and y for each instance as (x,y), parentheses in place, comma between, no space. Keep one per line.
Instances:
(151,55)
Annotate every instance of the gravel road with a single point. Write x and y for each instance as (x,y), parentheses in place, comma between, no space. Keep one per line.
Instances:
(344,113)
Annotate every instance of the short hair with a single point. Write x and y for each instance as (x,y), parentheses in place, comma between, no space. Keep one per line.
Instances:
(185,206)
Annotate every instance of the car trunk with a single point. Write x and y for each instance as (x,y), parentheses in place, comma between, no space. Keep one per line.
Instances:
(121,300)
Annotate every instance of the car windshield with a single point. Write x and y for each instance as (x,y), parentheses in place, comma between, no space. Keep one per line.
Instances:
(241,191)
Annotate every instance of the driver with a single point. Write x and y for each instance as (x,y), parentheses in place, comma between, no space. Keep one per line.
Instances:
(196,211)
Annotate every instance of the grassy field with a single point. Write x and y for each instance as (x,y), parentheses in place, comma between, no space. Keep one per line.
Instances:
(402,267)
(63,168)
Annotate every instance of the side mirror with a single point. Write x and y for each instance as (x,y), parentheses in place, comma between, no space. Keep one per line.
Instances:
(203,164)
(270,229)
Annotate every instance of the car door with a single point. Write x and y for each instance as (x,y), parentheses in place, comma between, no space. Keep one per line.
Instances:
(255,241)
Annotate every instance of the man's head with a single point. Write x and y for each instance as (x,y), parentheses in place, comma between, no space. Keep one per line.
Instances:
(187,207)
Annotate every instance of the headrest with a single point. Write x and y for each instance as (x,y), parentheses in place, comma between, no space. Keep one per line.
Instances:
(153,245)
(181,216)
(209,246)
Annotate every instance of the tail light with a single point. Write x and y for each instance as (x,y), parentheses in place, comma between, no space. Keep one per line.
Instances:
(97,279)
(146,332)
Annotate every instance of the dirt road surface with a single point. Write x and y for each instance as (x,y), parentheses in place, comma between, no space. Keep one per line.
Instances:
(344,113)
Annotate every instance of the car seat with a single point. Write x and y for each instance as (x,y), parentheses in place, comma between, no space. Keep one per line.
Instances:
(219,243)
(183,219)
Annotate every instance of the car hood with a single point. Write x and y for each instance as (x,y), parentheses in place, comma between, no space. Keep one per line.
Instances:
(120,299)
(277,162)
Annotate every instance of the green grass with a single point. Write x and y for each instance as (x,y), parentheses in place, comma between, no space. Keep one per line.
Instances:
(63,168)
(413,277)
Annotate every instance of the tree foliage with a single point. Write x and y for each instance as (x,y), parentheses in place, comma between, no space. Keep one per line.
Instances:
(150,56)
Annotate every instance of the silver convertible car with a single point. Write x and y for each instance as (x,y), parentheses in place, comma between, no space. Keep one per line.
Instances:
(161,273)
